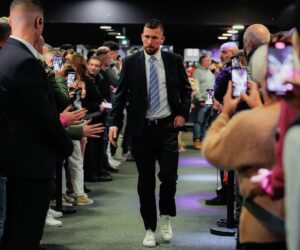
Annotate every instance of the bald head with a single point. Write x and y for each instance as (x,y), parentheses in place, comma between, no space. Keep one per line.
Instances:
(27,19)
(255,36)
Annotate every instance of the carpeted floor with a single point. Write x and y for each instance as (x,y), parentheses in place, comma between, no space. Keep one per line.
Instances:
(113,222)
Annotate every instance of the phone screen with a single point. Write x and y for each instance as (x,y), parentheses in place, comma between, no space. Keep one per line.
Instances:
(239,81)
(210,95)
(235,62)
(71,78)
(57,62)
(280,68)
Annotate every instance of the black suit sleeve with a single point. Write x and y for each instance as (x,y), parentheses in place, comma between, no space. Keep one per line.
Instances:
(185,91)
(37,100)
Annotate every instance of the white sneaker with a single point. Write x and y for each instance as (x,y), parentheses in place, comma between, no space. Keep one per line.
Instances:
(165,228)
(119,158)
(149,240)
(113,161)
(54,213)
(50,221)
(113,164)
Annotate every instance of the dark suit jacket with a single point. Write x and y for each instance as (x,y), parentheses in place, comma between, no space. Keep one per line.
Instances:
(32,138)
(133,88)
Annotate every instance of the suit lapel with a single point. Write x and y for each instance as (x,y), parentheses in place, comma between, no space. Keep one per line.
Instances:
(142,72)
(167,70)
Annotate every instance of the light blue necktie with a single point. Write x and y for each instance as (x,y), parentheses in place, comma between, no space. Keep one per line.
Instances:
(154,101)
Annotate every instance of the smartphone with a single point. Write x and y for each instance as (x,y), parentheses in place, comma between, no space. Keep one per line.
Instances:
(57,62)
(107,105)
(210,95)
(281,67)
(70,78)
(239,81)
(235,62)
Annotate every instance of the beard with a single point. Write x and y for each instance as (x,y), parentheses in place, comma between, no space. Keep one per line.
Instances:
(151,50)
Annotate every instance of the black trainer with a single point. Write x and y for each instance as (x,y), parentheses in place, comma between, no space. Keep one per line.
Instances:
(217,201)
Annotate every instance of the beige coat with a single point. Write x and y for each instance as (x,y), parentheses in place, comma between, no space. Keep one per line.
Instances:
(246,143)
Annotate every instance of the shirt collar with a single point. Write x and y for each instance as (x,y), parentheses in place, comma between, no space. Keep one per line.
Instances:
(28,45)
(157,55)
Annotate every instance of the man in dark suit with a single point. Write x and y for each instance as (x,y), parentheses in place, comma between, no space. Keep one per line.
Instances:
(156,87)
(33,140)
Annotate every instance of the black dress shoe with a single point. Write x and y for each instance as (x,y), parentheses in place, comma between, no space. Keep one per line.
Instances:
(216,201)
(92,179)
(223,223)
(106,177)
(86,190)
(111,169)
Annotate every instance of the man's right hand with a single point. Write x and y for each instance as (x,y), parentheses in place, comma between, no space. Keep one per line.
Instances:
(92,130)
(112,135)
(73,117)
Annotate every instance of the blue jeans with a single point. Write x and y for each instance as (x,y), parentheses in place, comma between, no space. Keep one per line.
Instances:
(2,204)
(199,122)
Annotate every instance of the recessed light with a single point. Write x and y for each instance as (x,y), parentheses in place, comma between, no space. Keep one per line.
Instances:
(105,27)
(238,27)
(226,34)
(232,31)
(222,37)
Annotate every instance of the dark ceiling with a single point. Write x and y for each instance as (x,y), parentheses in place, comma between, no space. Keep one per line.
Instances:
(194,24)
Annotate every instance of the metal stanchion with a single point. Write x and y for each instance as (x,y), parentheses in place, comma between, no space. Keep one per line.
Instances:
(230,229)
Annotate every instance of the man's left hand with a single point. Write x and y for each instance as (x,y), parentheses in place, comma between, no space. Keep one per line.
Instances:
(179,121)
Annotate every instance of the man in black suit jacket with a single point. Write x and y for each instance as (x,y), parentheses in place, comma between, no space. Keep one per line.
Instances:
(156,87)
(33,139)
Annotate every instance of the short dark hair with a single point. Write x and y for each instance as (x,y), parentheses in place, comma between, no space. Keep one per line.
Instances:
(67,46)
(5,29)
(111,45)
(33,5)
(94,57)
(91,52)
(154,24)
(201,58)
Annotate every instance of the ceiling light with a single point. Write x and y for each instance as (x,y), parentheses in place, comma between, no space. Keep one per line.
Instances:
(222,37)
(120,37)
(114,33)
(108,30)
(238,27)
(104,27)
(232,31)
(226,34)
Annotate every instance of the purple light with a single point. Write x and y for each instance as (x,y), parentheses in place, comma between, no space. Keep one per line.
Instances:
(193,202)
(194,162)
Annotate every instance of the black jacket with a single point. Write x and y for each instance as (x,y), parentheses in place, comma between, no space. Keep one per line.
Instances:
(133,88)
(32,137)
